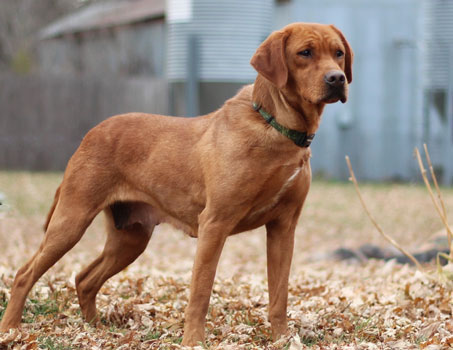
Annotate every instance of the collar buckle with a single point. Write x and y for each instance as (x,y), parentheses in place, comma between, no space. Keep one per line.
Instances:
(301,139)
(304,139)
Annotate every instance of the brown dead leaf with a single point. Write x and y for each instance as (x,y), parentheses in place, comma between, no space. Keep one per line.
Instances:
(427,331)
(449,341)
(449,326)
(445,307)
(407,291)
(346,324)
(127,338)
(431,344)
(398,310)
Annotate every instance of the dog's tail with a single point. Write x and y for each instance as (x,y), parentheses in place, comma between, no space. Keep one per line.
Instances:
(52,209)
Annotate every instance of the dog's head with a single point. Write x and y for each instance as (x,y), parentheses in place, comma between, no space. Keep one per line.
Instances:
(307,61)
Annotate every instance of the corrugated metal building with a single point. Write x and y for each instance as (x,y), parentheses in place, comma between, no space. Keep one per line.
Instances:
(438,83)
(210,44)
(401,95)
(381,123)
(228,32)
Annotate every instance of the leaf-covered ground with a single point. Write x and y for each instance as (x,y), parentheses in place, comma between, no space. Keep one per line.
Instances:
(332,304)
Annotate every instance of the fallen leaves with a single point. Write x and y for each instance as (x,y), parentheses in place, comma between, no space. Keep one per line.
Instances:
(331,306)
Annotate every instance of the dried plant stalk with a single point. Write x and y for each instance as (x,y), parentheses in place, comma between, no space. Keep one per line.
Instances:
(444,275)
(439,195)
(428,186)
(433,175)
(387,237)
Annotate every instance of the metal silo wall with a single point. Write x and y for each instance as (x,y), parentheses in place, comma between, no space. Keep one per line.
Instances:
(228,33)
(438,43)
(379,125)
(438,84)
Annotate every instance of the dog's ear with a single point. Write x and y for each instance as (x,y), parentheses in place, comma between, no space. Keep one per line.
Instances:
(349,55)
(269,59)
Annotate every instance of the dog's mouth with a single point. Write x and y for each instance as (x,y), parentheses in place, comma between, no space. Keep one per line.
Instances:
(334,95)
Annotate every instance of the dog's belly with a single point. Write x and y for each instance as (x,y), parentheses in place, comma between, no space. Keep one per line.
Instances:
(183,210)
(127,214)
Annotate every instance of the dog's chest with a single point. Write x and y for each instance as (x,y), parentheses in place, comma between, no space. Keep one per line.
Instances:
(280,190)
(283,189)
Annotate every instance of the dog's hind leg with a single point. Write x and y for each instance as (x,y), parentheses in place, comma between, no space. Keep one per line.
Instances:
(67,225)
(126,240)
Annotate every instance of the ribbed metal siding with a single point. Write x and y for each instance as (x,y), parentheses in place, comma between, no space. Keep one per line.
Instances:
(228,32)
(438,48)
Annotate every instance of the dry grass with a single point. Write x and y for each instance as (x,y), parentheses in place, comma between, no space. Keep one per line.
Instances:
(332,305)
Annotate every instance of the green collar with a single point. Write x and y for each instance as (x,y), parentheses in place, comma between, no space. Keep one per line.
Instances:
(301,139)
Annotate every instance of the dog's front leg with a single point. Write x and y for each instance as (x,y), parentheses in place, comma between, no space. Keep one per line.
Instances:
(211,239)
(280,245)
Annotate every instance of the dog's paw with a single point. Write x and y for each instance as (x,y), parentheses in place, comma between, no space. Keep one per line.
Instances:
(193,338)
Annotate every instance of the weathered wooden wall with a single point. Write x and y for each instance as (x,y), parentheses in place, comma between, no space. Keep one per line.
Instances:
(43,118)
(130,50)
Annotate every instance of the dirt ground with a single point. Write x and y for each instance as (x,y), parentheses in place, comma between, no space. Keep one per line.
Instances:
(332,304)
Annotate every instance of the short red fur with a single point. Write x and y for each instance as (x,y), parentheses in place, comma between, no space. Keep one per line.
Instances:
(211,176)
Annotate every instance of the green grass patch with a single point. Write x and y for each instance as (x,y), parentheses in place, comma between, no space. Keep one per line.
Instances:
(151,335)
(51,343)
(39,308)
(3,304)
(28,193)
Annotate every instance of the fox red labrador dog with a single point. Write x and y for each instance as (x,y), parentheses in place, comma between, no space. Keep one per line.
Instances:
(243,166)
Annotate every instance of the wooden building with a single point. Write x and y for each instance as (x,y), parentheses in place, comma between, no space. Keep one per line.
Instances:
(126,38)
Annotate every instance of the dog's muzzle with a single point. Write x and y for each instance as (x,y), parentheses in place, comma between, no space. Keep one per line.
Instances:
(335,81)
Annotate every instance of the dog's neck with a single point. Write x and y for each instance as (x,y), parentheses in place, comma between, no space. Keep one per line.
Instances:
(298,115)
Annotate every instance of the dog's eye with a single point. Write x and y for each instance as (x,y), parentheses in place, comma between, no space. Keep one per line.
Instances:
(340,53)
(305,53)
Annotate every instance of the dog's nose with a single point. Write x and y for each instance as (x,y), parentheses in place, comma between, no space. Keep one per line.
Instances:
(335,78)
